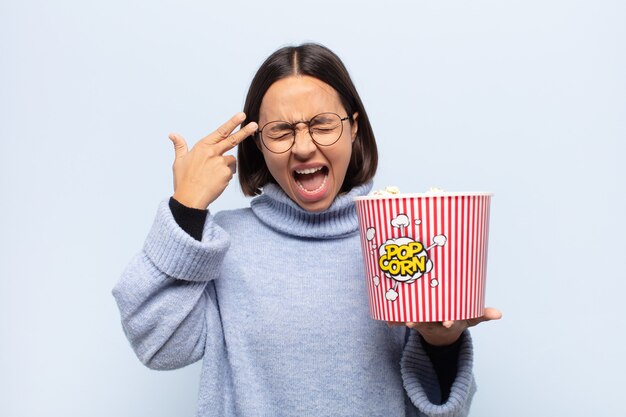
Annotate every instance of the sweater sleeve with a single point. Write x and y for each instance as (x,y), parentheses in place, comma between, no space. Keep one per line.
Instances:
(444,360)
(422,384)
(166,297)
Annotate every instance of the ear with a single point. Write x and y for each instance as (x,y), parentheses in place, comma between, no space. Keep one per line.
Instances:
(355,125)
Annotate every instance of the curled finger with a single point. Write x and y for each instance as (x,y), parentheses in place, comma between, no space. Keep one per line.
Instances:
(231,162)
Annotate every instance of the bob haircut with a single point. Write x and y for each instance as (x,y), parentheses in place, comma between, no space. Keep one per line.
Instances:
(319,62)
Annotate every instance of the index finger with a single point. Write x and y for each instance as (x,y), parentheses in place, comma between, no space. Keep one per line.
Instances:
(237,137)
(224,130)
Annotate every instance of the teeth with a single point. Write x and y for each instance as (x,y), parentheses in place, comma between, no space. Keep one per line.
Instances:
(308,170)
(313,191)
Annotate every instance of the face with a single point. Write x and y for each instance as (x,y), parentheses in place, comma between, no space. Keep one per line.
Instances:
(310,175)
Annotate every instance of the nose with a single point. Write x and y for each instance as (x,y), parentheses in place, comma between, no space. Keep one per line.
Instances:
(303,147)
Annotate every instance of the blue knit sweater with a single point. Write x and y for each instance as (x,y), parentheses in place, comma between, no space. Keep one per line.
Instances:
(273,300)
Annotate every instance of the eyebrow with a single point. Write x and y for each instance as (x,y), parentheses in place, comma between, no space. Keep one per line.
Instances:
(291,122)
(283,123)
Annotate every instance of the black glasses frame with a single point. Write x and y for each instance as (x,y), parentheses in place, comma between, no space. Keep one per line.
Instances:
(308,125)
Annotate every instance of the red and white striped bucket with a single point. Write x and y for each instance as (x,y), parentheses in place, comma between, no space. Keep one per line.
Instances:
(425,255)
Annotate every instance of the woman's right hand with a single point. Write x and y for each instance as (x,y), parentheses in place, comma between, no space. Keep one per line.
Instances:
(202,174)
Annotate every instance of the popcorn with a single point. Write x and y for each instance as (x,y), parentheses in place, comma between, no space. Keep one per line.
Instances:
(389,190)
(392,190)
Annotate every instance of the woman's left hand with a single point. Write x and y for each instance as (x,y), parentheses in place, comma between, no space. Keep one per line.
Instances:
(447,332)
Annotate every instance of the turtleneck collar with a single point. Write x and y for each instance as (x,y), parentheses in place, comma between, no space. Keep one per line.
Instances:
(278,211)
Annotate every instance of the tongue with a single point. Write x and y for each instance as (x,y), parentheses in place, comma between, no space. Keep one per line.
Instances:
(311,182)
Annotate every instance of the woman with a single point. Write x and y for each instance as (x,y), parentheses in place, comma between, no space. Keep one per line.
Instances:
(272,297)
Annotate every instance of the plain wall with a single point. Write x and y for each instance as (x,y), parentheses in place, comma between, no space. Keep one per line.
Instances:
(526,99)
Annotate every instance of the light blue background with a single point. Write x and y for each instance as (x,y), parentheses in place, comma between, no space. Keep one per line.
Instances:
(522,98)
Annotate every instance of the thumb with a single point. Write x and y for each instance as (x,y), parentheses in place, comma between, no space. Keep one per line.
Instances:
(490,314)
(180,146)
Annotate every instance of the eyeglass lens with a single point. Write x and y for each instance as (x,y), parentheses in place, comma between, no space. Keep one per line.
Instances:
(325,129)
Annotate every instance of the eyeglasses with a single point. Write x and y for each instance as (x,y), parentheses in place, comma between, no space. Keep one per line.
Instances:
(325,129)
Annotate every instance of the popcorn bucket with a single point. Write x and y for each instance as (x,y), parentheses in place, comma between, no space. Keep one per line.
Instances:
(425,255)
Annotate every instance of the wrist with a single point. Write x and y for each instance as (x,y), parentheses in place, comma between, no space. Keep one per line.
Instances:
(439,344)
(190,201)
(442,340)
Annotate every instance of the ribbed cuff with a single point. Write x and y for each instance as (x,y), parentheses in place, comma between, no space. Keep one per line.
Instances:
(178,254)
(421,384)
(444,360)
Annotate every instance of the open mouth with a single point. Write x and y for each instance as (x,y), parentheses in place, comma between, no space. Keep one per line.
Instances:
(311,180)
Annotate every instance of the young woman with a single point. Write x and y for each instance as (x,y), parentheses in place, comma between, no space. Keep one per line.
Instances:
(272,298)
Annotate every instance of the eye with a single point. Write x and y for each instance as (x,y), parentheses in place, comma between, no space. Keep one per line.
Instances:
(278,130)
(325,122)
(324,126)
(281,136)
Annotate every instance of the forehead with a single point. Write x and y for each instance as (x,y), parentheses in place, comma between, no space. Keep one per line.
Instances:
(298,98)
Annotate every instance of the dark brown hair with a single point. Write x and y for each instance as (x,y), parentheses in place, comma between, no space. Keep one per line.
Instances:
(320,62)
